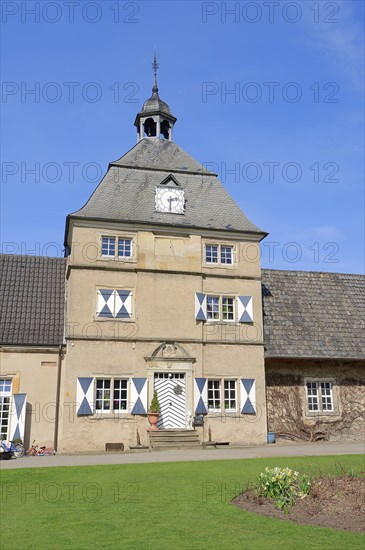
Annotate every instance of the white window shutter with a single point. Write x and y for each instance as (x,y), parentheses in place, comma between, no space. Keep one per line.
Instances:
(200,306)
(105,303)
(18,405)
(85,396)
(123,304)
(200,395)
(245,309)
(248,396)
(139,396)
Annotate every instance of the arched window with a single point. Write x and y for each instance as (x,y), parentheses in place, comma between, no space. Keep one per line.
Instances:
(150,127)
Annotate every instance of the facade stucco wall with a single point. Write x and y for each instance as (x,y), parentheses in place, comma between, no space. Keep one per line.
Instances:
(131,359)
(164,273)
(35,374)
(174,251)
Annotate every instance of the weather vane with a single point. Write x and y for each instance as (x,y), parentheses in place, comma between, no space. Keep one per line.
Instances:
(155,66)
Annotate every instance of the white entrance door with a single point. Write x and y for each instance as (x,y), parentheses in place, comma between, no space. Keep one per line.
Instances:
(170,389)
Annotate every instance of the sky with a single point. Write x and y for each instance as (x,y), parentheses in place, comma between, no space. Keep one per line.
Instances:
(267,94)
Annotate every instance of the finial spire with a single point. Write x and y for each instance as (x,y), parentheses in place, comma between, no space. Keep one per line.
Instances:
(155,66)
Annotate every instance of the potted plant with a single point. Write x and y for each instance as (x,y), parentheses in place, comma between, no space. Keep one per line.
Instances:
(154,412)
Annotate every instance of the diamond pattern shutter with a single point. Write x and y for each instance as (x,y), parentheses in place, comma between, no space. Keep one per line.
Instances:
(200,395)
(85,396)
(248,395)
(17,416)
(138,399)
(123,304)
(245,309)
(200,306)
(105,303)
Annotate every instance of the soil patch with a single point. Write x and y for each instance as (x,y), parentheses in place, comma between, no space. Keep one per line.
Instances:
(338,503)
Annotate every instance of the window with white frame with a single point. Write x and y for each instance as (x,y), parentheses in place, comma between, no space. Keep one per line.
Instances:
(5,396)
(108,246)
(111,395)
(116,246)
(213,308)
(319,396)
(230,395)
(228,308)
(124,248)
(219,254)
(211,253)
(222,395)
(221,308)
(226,254)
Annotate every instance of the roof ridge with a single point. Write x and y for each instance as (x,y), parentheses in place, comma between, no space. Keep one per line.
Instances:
(312,271)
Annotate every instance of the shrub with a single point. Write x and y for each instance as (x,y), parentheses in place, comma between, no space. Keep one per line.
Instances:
(283,486)
(155,404)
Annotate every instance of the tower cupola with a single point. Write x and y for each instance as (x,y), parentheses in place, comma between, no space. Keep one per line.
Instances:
(155,118)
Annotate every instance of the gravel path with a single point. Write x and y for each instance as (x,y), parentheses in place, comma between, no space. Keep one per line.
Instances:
(224,453)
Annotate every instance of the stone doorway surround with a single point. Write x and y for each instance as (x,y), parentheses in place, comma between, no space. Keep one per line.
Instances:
(171,357)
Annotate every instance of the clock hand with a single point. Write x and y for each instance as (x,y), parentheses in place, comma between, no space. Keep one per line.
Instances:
(170,200)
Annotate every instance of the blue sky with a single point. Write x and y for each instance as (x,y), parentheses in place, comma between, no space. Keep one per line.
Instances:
(269,94)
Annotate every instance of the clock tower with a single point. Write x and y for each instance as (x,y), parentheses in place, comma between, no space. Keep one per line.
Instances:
(163,294)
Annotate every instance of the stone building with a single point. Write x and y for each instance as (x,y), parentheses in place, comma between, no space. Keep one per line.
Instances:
(158,291)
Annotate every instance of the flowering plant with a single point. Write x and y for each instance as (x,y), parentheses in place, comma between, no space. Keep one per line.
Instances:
(283,486)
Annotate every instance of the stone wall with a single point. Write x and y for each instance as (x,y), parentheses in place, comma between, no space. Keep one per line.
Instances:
(288,413)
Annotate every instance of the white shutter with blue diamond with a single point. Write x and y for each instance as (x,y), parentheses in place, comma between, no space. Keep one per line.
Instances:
(123,304)
(248,396)
(17,416)
(200,396)
(138,398)
(85,396)
(245,309)
(105,303)
(200,306)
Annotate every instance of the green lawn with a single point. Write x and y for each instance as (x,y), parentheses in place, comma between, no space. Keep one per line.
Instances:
(183,505)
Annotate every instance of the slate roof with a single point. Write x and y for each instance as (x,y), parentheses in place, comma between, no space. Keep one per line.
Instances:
(313,314)
(127,192)
(32,291)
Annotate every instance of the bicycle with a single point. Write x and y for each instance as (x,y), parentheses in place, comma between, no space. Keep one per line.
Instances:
(33,450)
(15,450)
(42,451)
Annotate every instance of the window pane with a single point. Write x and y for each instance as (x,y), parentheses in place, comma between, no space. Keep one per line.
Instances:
(108,246)
(124,248)
(211,253)
(102,396)
(227,309)
(4,414)
(120,395)
(230,394)
(214,401)
(312,392)
(227,254)
(212,307)
(326,394)
(5,385)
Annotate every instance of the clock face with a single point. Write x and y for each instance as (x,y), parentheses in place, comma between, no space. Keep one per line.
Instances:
(169,200)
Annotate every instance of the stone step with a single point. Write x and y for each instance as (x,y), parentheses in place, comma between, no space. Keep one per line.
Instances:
(171,441)
(177,448)
(174,439)
(158,435)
